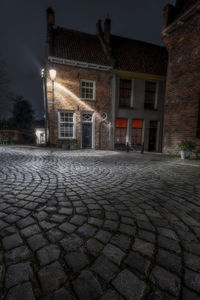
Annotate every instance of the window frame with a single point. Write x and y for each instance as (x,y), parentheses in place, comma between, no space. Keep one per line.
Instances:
(94,89)
(121,119)
(91,113)
(131,93)
(155,104)
(123,128)
(140,128)
(74,125)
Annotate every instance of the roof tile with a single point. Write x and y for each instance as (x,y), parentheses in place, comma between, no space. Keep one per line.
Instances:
(130,55)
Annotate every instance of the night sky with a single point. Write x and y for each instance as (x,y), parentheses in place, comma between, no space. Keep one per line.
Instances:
(23,32)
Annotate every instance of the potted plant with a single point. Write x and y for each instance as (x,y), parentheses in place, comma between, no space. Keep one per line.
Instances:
(186,148)
(73,145)
(70,144)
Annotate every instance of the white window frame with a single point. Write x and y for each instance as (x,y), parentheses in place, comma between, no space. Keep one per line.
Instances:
(89,113)
(74,125)
(94,89)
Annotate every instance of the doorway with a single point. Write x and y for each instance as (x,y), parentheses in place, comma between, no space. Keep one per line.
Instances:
(87,130)
(153,134)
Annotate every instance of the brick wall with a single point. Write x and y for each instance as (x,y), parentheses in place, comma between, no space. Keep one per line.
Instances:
(67,97)
(183,84)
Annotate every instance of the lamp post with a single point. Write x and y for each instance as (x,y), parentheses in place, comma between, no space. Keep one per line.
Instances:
(52,74)
(43,76)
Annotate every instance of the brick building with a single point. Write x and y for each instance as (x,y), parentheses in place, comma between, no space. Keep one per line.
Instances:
(181,31)
(109,90)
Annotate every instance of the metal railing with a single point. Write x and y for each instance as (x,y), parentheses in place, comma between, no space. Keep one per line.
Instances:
(4,139)
(130,147)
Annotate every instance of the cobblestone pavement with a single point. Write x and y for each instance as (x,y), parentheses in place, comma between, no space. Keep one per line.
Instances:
(98,225)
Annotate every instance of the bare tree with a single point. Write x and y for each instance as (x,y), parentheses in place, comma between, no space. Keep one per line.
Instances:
(6,95)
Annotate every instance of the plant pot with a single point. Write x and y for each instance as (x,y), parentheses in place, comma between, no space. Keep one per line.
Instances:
(72,147)
(185,154)
(198,155)
(65,146)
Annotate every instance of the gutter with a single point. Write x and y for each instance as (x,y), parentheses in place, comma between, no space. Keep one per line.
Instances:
(77,63)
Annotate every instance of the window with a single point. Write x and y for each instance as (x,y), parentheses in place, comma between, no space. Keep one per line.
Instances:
(87,89)
(150,95)
(136,133)
(121,123)
(104,115)
(87,117)
(66,125)
(125,93)
(120,131)
(42,138)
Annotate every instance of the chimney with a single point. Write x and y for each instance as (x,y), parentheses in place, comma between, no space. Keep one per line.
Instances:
(169,14)
(99,29)
(104,37)
(50,17)
(107,30)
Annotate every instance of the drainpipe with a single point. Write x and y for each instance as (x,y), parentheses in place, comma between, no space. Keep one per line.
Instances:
(113,110)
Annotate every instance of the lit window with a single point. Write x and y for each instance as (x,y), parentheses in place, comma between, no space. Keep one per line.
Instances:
(136,133)
(125,93)
(150,95)
(66,124)
(121,123)
(42,138)
(88,90)
(137,124)
(121,131)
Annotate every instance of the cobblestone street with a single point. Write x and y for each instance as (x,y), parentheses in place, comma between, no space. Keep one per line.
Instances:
(98,225)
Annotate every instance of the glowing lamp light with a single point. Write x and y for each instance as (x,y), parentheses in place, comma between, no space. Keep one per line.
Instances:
(52,74)
(42,73)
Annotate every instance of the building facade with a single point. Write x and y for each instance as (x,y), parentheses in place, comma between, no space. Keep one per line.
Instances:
(108,91)
(138,109)
(181,31)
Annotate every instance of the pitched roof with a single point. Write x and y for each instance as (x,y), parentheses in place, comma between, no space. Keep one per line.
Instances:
(76,45)
(130,55)
(137,56)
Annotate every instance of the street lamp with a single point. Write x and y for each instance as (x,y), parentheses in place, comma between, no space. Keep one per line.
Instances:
(52,73)
(43,76)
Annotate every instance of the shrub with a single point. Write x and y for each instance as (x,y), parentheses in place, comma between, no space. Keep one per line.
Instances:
(187,145)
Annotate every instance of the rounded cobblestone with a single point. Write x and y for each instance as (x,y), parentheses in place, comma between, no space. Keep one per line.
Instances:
(98,224)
